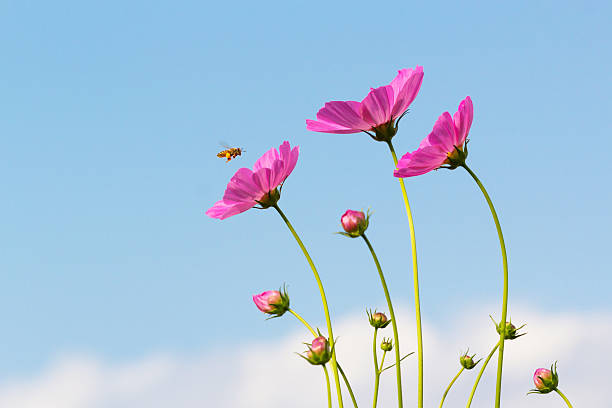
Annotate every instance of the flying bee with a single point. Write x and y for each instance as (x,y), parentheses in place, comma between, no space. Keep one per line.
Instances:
(230,153)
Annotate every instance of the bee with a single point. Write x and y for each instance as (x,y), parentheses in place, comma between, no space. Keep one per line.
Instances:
(230,153)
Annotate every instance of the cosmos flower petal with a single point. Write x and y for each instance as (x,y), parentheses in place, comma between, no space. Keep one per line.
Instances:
(266,160)
(241,186)
(376,107)
(263,179)
(421,161)
(443,134)
(406,86)
(343,113)
(223,210)
(463,120)
(324,127)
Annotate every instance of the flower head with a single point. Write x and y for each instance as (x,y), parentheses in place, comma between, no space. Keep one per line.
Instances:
(376,113)
(378,320)
(248,188)
(354,223)
(272,302)
(318,352)
(510,332)
(545,380)
(467,361)
(386,345)
(445,145)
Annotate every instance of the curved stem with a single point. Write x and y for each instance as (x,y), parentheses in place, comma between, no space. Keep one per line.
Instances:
(484,365)
(376,369)
(393,321)
(348,385)
(415,273)
(558,391)
(304,322)
(502,323)
(329,399)
(450,385)
(315,334)
(330,339)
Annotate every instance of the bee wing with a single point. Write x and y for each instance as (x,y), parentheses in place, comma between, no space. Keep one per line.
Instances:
(224,145)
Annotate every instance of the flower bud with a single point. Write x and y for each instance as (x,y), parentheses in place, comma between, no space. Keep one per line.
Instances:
(467,361)
(272,302)
(378,320)
(354,223)
(386,345)
(318,352)
(545,380)
(511,332)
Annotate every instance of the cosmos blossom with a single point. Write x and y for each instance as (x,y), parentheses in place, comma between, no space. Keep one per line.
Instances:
(376,112)
(248,188)
(445,145)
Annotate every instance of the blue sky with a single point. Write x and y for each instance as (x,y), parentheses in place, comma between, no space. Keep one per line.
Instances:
(113,114)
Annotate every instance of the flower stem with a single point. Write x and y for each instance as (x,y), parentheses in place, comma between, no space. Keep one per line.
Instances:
(376,369)
(558,391)
(393,321)
(502,324)
(330,339)
(484,365)
(450,385)
(329,398)
(415,272)
(315,334)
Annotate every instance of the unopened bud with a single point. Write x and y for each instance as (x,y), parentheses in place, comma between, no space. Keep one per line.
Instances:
(386,345)
(378,320)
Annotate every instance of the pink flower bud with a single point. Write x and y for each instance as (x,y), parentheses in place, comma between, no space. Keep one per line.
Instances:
(545,380)
(272,302)
(319,351)
(354,223)
(378,320)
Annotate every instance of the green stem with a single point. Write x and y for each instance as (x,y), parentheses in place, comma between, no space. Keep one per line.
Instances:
(376,369)
(450,385)
(558,391)
(393,321)
(329,399)
(401,359)
(415,272)
(382,362)
(348,385)
(502,324)
(484,365)
(330,339)
(315,334)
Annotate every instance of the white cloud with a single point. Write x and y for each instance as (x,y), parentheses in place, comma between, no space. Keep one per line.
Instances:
(269,375)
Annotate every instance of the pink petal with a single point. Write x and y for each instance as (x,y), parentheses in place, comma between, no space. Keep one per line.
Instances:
(376,107)
(223,210)
(266,160)
(421,161)
(406,86)
(463,120)
(241,187)
(263,179)
(442,135)
(343,113)
(316,126)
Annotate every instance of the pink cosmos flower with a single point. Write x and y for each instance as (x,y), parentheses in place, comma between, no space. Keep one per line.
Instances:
(248,188)
(376,112)
(446,144)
